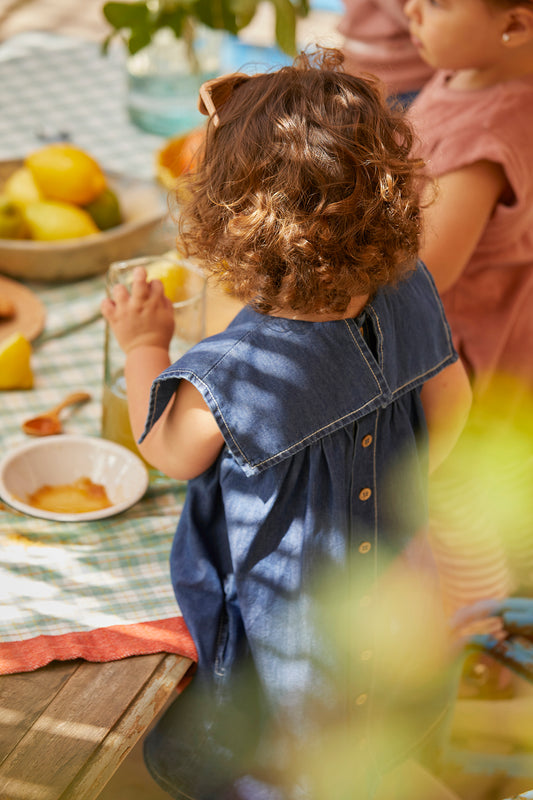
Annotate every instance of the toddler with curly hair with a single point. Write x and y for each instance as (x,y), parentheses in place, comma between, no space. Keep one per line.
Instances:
(304,430)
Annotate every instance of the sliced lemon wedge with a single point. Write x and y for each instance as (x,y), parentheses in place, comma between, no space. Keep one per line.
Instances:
(15,366)
(172,276)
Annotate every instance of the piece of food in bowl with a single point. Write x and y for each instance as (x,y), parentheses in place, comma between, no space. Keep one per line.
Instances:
(105,210)
(67,173)
(21,188)
(60,192)
(50,220)
(79,497)
(12,222)
(143,207)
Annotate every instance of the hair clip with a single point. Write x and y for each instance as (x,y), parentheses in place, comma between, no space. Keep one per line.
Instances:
(216,92)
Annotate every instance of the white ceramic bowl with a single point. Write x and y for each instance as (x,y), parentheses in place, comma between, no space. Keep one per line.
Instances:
(62,459)
(144,206)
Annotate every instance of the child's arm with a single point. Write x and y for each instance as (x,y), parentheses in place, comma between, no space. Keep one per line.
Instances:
(454,222)
(446,399)
(186,439)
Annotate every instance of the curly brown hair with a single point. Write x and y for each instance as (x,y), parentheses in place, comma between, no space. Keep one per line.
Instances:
(306,194)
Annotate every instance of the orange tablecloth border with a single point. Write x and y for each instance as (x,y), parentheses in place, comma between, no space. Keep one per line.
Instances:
(102,644)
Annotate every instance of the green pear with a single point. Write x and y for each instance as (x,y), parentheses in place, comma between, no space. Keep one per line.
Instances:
(105,210)
(12,222)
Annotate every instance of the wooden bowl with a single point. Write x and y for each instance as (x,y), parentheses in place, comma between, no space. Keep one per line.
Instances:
(144,206)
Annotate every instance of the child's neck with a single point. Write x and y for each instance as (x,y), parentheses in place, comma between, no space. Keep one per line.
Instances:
(354,308)
(520,65)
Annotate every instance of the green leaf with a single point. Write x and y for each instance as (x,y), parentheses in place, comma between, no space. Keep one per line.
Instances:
(302,8)
(139,38)
(126,15)
(244,11)
(217,14)
(285,27)
(173,20)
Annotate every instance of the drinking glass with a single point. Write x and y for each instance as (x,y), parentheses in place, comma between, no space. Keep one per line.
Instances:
(189,286)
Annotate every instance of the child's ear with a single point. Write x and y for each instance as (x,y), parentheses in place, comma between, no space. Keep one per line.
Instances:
(519,27)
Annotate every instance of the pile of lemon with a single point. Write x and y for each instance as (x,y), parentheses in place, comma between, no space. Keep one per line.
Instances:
(60,192)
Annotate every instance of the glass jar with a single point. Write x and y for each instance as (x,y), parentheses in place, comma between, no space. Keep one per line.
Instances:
(188,286)
(163,82)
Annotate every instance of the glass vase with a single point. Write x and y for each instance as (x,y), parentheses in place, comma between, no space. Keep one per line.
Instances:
(163,81)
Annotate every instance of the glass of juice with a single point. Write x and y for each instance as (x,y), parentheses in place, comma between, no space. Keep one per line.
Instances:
(185,285)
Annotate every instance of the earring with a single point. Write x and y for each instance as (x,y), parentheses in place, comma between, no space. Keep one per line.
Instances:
(506,37)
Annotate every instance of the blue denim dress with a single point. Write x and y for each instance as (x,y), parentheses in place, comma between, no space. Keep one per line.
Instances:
(323,473)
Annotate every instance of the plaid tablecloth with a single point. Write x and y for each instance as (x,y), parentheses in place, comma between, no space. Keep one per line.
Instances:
(95,590)
(52,84)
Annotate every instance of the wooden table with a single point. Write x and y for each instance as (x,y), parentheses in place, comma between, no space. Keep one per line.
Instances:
(65,728)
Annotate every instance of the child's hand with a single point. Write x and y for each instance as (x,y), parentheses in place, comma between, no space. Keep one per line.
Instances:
(143,318)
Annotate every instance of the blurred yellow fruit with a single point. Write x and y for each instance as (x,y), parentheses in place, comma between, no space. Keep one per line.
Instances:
(105,210)
(50,220)
(67,173)
(15,367)
(21,188)
(179,156)
(173,278)
(12,222)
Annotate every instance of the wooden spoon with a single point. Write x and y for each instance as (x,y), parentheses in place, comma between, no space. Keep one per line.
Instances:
(49,423)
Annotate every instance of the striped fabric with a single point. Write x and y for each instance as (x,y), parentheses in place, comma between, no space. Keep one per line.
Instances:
(481,505)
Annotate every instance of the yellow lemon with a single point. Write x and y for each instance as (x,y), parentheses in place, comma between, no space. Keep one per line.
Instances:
(172,276)
(15,367)
(65,172)
(21,188)
(50,220)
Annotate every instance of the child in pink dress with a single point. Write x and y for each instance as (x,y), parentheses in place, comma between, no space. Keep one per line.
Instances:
(474,121)
(377,40)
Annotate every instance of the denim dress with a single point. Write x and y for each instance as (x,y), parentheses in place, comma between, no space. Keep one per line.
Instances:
(321,481)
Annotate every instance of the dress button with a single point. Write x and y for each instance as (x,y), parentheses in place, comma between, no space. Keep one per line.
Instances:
(364,494)
(366,655)
(361,699)
(367,440)
(364,547)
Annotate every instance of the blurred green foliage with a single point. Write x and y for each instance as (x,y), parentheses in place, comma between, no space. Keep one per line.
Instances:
(137,22)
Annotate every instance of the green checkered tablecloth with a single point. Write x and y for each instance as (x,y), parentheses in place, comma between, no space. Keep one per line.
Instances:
(54,85)
(98,590)
(95,590)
